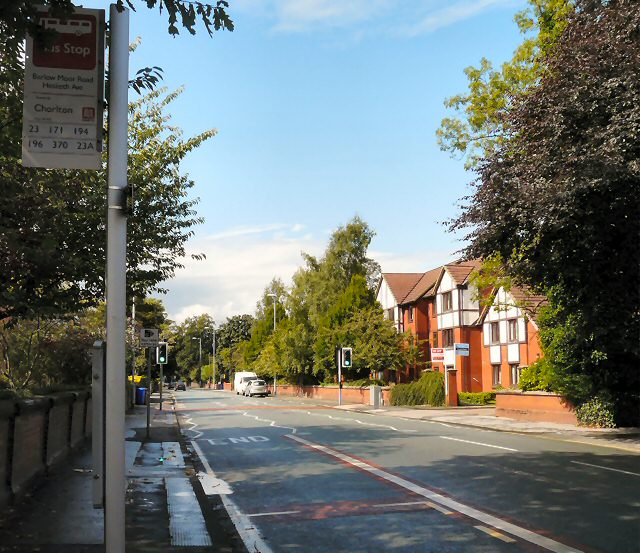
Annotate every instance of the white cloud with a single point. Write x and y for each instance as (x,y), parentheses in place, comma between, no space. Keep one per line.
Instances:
(241,261)
(406,17)
(452,14)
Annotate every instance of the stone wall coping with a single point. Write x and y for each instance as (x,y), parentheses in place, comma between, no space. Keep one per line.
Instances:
(81,395)
(62,398)
(533,393)
(8,408)
(33,405)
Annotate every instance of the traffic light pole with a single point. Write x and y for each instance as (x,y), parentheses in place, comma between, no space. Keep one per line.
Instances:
(148,398)
(161,383)
(340,376)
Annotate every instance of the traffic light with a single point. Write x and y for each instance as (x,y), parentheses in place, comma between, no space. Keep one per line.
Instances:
(162,357)
(346,357)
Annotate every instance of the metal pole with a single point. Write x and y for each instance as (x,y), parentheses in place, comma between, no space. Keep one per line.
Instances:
(149,386)
(200,358)
(133,350)
(275,376)
(161,383)
(340,376)
(116,281)
(213,349)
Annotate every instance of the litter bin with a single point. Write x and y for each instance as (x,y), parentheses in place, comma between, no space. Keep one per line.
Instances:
(141,396)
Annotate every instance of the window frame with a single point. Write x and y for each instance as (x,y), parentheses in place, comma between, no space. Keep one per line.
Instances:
(515,369)
(496,370)
(447,305)
(494,337)
(512,323)
(448,333)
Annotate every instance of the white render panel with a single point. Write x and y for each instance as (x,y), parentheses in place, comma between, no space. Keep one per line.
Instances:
(513,353)
(486,330)
(494,355)
(503,332)
(448,320)
(446,283)
(385,297)
(522,330)
(512,313)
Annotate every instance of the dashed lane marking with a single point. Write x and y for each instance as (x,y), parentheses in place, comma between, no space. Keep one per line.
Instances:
(486,518)
(477,443)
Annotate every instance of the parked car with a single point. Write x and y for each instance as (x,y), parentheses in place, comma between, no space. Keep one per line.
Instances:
(256,387)
(181,386)
(241,379)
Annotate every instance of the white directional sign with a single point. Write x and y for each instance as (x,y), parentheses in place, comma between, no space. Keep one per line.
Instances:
(149,337)
(63,94)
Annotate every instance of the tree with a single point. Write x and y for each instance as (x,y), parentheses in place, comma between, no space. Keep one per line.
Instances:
(481,127)
(559,201)
(185,341)
(52,227)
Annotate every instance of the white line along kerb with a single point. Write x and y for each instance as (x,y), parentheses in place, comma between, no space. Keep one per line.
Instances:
(486,518)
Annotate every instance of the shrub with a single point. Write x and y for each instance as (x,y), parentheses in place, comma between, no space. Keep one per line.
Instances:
(536,377)
(429,390)
(596,412)
(476,398)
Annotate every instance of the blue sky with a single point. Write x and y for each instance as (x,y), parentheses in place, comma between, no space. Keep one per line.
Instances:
(324,109)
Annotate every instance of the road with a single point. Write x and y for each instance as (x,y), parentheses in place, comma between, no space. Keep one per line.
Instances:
(308,478)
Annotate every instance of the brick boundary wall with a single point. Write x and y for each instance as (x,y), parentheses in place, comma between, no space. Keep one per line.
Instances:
(535,406)
(350,394)
(36,434)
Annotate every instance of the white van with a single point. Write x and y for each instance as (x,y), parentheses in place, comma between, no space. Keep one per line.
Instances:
(240,381)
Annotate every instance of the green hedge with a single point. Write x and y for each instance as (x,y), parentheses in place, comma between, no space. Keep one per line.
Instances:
(476,398)
(598,412)
(429,390)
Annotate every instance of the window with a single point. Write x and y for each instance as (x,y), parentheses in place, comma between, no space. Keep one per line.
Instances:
(447,338)
(515,374)
(495,333)
(411,314)
(434,342)
(497,377)
(390,314)
(512,330)
(447,302)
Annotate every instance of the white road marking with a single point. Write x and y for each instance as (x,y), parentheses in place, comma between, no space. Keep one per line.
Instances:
(359,422)
(471,512)
(273,423)
(249,534)
(493,533)
(606,468)
(273,513)
(477,443)
(186,523)
(196,433)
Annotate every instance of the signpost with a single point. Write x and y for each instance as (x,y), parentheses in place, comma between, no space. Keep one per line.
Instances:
(437,355)
(63,93)
(461,349)
(149,337)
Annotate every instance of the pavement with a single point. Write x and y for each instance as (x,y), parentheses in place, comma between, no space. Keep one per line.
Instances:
(163,500)
(165,495)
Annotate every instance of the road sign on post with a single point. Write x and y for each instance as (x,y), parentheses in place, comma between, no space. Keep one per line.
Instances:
(437,355)
(149,337)
(63,93)
(461,349)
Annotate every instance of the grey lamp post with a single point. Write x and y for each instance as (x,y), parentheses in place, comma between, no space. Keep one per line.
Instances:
(199,357)
(275,376)
(213,351)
